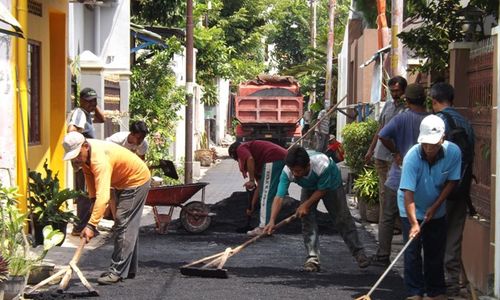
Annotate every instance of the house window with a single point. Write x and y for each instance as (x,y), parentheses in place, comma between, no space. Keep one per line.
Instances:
(34,71)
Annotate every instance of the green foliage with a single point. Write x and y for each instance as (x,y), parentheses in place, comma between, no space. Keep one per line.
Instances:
(366,186)
(46,198)
(155,98)
(158,12)
(204,141)
(14,247)
(356,139)
(4,269)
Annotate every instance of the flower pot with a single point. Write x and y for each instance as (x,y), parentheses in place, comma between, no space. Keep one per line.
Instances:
(14,287)
(362,209)
(40,272)
(204,156)
(372,213)
(38,234)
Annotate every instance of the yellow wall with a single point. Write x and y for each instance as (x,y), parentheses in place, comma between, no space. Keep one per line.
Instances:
(50,31)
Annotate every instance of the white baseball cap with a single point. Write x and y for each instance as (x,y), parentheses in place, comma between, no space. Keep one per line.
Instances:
(72,144)
(431,130)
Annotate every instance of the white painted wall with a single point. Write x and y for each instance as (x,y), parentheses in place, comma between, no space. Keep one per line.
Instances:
(115,35)
(221,109)
(342,84)
(8,102)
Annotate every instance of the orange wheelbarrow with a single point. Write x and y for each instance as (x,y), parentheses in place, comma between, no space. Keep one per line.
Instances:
(195,216)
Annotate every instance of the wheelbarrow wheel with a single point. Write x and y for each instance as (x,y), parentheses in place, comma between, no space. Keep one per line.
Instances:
(194,217)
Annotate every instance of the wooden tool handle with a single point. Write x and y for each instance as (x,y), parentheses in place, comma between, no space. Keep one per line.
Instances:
(255,238)
(78,252)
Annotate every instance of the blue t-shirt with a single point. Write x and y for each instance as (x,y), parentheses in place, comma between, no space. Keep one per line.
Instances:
(323,175)
(427,181)
(403,129)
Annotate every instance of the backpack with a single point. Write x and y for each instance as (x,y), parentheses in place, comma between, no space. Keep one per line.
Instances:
(458,136)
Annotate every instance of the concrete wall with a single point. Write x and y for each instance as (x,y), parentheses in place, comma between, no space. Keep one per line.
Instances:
(366,47)
(222,109)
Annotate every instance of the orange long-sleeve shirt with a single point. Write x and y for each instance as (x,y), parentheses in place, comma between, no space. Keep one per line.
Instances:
(114,166)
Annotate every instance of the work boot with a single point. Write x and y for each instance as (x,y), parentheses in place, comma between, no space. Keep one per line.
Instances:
(363,261)
(312,264)
(108,278)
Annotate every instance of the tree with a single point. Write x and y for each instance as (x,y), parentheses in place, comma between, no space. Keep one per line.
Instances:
(438,25)
(155,98)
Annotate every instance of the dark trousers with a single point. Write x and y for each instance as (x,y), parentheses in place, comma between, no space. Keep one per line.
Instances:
(83,204)
(129,207)
(427,275)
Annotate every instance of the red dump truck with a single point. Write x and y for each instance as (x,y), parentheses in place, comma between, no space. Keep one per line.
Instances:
(269,108)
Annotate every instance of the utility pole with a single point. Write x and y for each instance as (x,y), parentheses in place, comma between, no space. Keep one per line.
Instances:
(312,97)
(329,53)
(396,24)
(188,159)
(382,30)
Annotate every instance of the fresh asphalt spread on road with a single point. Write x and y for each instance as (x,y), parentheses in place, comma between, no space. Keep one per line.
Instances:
(268,269)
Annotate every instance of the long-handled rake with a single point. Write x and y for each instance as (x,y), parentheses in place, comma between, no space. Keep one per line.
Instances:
(66,274)
(207,264)
(367,296)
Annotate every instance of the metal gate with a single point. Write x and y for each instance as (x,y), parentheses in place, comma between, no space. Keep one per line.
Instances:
(480,78)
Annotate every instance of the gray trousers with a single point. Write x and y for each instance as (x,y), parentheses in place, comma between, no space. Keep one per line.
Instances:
(83,204)
(129,206)
(336,205)
(386,224)
(321,141)
(382,167)
(456,212)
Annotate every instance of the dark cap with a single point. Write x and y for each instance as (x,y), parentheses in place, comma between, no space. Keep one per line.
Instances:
(415,91)
(88,93)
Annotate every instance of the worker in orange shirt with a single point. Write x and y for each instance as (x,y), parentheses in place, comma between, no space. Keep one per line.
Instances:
(107,165)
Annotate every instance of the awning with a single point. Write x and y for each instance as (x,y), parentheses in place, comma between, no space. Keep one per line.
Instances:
(6,17)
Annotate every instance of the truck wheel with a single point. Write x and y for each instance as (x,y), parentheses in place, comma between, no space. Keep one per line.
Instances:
(194,217)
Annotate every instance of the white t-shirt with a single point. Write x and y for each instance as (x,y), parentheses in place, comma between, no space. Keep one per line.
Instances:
(120,138)
(83,120)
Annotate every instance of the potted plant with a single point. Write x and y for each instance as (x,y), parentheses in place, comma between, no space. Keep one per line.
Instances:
(14,246)
(366,188)
(356,139)
(204,155)
(47,203)
(4,273)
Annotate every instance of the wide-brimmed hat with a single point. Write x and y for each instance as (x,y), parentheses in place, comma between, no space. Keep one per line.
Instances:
(72,144)
(332,137)
(431,130)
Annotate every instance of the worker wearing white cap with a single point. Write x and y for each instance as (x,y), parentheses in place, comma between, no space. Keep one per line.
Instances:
(107,165)
(430,171)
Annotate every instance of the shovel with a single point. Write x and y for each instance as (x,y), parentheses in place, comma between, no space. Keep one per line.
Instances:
(168,168)
(207,264)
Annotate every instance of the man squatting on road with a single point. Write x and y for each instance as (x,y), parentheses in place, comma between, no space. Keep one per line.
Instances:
(320,179)
(263,162)
(107,165)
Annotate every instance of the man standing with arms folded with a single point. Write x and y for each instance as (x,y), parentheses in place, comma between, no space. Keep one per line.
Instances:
(430,171)
(262,162)
(320,179)
(107,165)
(442,95)
(82,120)
(382,156)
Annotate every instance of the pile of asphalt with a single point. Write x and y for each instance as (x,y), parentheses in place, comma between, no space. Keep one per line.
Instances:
(230,215)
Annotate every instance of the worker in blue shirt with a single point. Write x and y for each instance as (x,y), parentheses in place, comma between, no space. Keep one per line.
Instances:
(430,171)
(320,179)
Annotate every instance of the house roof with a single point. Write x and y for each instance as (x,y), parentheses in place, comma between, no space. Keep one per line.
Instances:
(7,18)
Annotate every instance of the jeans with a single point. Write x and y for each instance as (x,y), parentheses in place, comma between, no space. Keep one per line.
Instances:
(386,225)
(336,205)
(427,275)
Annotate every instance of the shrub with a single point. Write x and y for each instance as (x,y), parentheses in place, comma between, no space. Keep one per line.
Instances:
(356,139)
